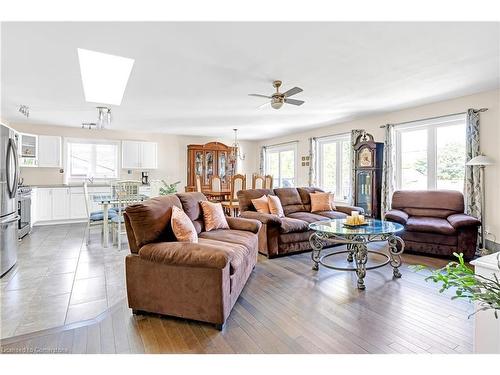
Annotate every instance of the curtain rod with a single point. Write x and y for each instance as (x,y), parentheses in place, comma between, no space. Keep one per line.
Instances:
(436,117)
(331,135)
(280,144)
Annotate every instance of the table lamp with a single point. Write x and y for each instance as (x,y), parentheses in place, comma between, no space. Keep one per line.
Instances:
(481,161)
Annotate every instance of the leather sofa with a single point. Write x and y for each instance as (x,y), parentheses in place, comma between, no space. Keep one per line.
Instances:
(289,234)
(199,281)
(434,222)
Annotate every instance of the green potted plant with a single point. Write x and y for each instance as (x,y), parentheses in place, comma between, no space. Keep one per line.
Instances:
(167,189)
(476,288)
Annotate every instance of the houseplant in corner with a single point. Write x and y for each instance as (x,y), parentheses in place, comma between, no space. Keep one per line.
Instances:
(167,189)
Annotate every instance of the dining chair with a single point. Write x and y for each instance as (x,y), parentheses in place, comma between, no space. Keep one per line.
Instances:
(257,182)
(198,183)
(215,184)
(238,182)
(94,218)
(126,193)
(268,181)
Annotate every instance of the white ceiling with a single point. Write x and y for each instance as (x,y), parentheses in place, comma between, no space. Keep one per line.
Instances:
(193,78)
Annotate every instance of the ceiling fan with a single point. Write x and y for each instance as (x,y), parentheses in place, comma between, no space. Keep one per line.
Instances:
(278,98)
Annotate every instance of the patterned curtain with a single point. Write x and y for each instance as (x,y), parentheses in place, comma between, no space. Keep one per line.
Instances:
(472,189)
(388,175)
(262,158)
(312,162)
(355,133)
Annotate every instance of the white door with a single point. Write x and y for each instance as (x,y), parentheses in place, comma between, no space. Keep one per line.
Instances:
(131,155)
(49,151)
(44,204)
(77,206)
(60,204)
(149,155)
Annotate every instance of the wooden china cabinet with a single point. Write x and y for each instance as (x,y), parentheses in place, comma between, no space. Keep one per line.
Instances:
(368,174)
(210,159)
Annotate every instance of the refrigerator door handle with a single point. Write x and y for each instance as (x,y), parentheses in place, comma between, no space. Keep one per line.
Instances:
(11,220)
(12,153)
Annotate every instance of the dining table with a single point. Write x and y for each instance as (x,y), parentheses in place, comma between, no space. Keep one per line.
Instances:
(106,201)
(221,195)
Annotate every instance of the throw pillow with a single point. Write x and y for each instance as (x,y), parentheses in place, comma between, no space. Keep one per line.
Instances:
(213,216)
(182,226)
(275,206)
(321,202)
(261,204)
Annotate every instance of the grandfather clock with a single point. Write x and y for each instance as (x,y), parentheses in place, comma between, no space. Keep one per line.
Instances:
(367,172)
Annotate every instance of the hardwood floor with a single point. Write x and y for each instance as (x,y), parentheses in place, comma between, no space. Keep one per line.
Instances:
(286,308)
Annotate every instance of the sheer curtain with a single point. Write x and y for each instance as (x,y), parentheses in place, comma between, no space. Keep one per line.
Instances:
(312,162)
(262,160)
(388,175)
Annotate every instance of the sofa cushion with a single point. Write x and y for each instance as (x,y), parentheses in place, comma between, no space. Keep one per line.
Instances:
(308,217)
(150,220)
(321,202)
(191,206)
(431,238)
(446,200)
(429,225)
(261,204)
(290,200)
(332,214)
(213,216)
(304,196)
(245,198)
(237,253)
(275,206)
(290,225)
(182,226)
(232,236)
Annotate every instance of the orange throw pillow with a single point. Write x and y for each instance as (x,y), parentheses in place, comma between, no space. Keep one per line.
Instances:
(321,202)
(182,226)
(275,206)
(213,216)
(261,205)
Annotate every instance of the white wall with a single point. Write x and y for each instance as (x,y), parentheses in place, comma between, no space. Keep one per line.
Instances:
(172,153)
(490,140)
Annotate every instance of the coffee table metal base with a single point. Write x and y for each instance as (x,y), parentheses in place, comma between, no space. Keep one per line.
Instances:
(357,251)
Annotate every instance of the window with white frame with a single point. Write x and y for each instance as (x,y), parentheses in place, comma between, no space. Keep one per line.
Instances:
(431,154)
(333,165)
(92,158)
(281,163)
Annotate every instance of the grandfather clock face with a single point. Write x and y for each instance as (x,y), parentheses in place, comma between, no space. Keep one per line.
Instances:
(365,157)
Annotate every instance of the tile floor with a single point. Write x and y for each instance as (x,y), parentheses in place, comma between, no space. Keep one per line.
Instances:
(59,280)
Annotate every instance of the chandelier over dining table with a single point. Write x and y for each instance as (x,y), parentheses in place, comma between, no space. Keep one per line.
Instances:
(236,153)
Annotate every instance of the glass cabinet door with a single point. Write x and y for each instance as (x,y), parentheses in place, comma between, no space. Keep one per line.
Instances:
(364,191)
(223,167)
(198,163)
(209,166)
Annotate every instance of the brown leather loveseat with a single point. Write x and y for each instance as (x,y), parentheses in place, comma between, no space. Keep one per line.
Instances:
(199,281)
(434,222)
(289,234)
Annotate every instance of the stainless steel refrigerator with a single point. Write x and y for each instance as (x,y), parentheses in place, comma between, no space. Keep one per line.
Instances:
(9,175)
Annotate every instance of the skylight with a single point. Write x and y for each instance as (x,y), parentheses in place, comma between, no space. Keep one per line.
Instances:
(104,76)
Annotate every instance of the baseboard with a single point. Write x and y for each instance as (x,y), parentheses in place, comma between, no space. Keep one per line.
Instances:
(57,222)
(492,246)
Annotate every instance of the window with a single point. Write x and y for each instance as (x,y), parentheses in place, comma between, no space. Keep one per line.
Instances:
(281,164)
(431,154)
(334,165)
(89,158)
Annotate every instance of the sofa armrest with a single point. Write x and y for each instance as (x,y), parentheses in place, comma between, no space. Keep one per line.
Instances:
(348,209)
(240,223)
(458,221)
(268,219)
(398,216)
(185,254)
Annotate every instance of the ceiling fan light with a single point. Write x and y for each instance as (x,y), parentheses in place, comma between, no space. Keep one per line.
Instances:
(276,103)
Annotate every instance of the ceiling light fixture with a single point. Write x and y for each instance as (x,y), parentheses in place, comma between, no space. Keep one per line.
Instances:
(104,76)
(103,117)
(236,154)
(25,110)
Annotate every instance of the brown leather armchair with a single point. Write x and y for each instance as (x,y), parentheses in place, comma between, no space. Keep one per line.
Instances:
(435,222)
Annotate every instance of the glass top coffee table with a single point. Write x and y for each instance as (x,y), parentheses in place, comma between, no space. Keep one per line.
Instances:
(334,231)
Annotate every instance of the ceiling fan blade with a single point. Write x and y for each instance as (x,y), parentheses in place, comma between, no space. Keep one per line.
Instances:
(264,105)
(294,101)
(293,91)
(260,96)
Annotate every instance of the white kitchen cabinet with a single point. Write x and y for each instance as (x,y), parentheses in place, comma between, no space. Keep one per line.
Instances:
(49,151)
(139,155)
(28,150)
(60,204)
(78,209)
(44,204)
